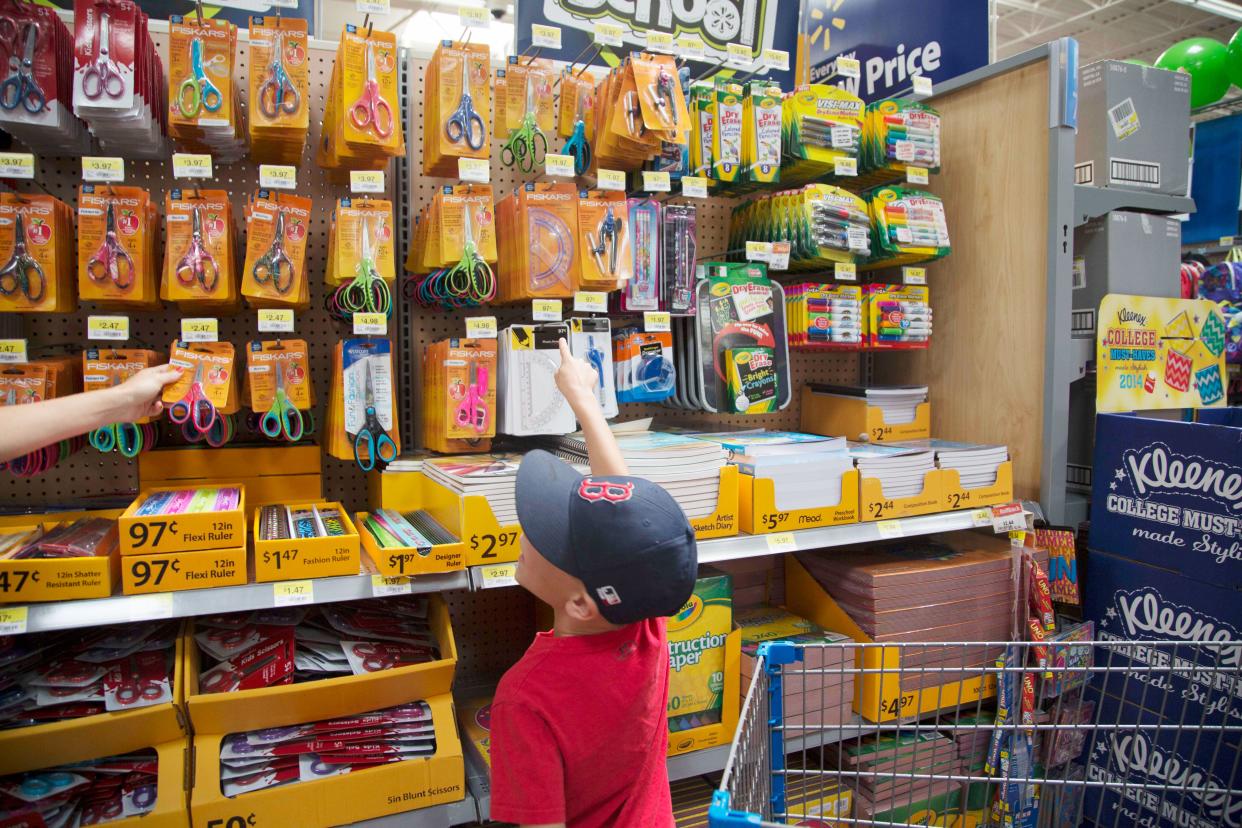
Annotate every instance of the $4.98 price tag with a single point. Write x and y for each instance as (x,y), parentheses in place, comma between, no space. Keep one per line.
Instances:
(370,324)
(480,327)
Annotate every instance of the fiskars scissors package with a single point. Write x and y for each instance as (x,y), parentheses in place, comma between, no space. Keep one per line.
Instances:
(207,368)
(362,119)
(459,395)
(529,91)
(361,233)
(198,250)
(278,369)
(117,236)
(36,254)
(280,84)
(205,112)
(274,273)
(103,368)
(577,101)
(35,98)
(457,108)
(607,259)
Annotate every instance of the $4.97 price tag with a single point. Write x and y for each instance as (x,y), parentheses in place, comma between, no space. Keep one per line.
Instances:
(293,593)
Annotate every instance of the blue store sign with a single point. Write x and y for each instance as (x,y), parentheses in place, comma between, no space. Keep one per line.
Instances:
(894,40)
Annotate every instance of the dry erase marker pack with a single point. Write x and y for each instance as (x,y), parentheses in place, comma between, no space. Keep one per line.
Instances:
(907,226)
(820,124)
(902,134)
(896,316)
(823,317)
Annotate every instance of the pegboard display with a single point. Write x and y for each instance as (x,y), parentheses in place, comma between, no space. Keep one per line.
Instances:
(90,473)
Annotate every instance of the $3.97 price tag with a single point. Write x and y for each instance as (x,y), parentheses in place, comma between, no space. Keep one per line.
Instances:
(492,545)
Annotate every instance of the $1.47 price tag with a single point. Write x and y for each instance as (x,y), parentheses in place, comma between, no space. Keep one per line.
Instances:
(13,620)
(293,593)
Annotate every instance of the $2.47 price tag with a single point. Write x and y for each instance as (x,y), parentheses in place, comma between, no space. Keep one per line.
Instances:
(107,327)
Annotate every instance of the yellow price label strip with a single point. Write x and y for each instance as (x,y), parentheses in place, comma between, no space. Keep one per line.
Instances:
(191,165)
(293,593)
(890,528)
(373,6)
(1226,241)
(278,176)
(775,59)
(13,620)
(737,54)
(474,16)
(366,181)
(611,180)
(385,585)
(691,46)
(608,34)
(200,329)
(916,175)
(12,350)
(370,324)
(107,327)
(276,320)
(149,607)
(17,165)
(758,251)
(845,272)
(475,170)
(693,186)
(845,166)
(848,67)
(480,327)
(657,321)
(591,301)
(656,182)
(660,42)
(545,37)
(914,275)
(562,165)
(922,85)
(498,575)
(545,310)
(782,542)
(103,168)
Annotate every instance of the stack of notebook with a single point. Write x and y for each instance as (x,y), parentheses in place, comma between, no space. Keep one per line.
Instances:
(900,469)
(971,731)
(943,588)
(898,402)
(976,464)
(805,469)
(687,468)
(492,476)
(894,767)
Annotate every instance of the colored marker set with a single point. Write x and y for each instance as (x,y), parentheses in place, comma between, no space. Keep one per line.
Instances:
(824,317)
(908,226)
(189,501)
(285,523)
(896,317)
(823,224)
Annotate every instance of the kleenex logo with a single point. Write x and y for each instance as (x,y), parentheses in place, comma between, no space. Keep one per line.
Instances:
(1133,753)
(1158,468)
(1146,611)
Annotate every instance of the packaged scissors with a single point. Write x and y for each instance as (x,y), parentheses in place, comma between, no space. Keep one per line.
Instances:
(459,395)
(361,258)
(278,388)
(362,115)
(36,254)
(27,382)
(36,86)
(457,108)
(204,106)
(104,368)
(362,406)
(274,273)
(280,83)
(198,250)
(455,247)
(206,393)
(117,234)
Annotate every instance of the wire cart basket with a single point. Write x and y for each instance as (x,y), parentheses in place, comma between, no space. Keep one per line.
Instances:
(1116,733)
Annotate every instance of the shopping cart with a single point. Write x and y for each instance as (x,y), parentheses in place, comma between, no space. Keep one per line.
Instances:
(1119,733)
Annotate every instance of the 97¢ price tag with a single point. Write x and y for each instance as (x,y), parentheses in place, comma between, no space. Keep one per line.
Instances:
(545,310)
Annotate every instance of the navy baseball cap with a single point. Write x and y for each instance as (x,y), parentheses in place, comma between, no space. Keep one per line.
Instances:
(625,538)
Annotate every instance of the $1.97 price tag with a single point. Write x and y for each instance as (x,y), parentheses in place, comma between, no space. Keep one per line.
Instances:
(385,585)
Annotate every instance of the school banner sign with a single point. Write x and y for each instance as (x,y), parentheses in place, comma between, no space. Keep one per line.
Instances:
(894,41)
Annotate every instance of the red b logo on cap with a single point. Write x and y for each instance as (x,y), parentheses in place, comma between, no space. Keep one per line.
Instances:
(594,490)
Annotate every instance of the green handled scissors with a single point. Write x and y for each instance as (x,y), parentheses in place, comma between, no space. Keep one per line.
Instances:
(283,419)
(124,437)
(472,276)
(367,292)
(527,145)
(203,94)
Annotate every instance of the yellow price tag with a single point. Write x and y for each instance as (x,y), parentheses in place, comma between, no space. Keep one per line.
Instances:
(366,181)
(890,528)
(474,169)
(370,324)
(480,327)
(545,310)
(545,37)
(278,176)
(608,34)
(916,175)
(188,165)
(13,620)
(384,585)
(16,165)
(981,517)
(782,542)
(914,275)
(12,350)
(276,320)
(758,251)
(693,186)
(373,6)
(1226,241)
(845,272)
(849,67)
(657,321)
(737,54)
(611,180)
(562,165)
(498,575)
(778,256)
(845,166)
(659,42)
(202,329)
(102,168)
(922,85)
(591,301)
(293,593)
(775,59)
(691,46)
(107,327)
(656,182)
(474,16)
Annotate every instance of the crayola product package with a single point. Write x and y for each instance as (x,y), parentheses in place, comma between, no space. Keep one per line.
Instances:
(727,135)
(761,133)
(752,379)
(696,652)
(820,125)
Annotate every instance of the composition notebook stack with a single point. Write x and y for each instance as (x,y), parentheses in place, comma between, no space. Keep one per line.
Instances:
(955,587)
(688,469)
(898,402)
(805,469)
(976,464)
(895,769)
(899,468)
(493,476)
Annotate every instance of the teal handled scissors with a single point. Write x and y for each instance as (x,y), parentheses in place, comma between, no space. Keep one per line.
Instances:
(367,292)
(124,437)
(577,145)
(379,447)
(283,419)
(270,266)
(203,94)
(527,146)
(22,272)
(472,276)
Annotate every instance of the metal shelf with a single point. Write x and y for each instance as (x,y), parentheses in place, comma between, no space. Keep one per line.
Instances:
(1092,202)
(63,615)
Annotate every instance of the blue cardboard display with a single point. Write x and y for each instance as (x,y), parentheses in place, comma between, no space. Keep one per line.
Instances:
(1149,753)
(1169,494)
(1130,601)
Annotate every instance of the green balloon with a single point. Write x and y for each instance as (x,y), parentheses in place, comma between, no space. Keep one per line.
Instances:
(1204,59)
(1233,68)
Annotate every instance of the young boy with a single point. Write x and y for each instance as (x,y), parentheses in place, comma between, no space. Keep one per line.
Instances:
(578,725)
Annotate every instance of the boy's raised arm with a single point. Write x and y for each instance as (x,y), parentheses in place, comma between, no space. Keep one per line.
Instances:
(576,379)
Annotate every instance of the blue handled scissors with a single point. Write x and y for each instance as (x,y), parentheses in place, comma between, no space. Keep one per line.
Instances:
(283,418)
(277,93)
(379,447)
(577,145)
(203,93)
(194,412)
(125,437)
(20,88)
(461,124)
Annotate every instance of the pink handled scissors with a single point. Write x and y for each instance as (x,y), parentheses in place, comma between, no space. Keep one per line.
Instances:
(194,409)
(472,410)
(198,264)
(371,110)
(103,75)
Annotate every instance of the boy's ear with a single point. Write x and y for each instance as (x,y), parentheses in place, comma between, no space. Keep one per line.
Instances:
(581,607)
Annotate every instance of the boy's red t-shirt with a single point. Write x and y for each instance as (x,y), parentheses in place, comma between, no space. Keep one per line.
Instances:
(579,731)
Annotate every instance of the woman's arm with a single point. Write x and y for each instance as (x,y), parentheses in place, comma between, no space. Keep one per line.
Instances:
(25,428)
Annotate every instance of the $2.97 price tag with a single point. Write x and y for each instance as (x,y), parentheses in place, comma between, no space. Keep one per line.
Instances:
(491,545)
(498,575)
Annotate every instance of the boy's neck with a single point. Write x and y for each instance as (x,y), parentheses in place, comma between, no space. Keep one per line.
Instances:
(565,625)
